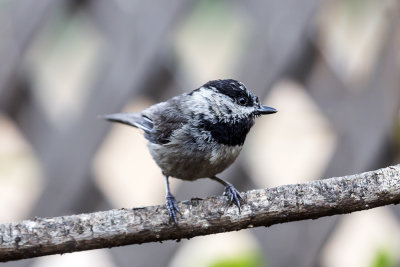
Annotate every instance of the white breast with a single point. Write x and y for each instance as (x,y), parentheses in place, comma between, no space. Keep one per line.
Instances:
(225,153)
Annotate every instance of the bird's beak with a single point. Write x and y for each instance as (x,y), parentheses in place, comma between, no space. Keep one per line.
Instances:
(263,110)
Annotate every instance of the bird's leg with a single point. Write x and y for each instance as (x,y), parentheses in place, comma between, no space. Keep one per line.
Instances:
(172,206)
(230,192)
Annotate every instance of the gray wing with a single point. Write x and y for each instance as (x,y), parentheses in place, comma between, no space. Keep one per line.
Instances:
(158,121)
(167,117)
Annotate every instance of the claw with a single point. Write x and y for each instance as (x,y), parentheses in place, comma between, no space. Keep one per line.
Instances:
(172,207)
(233,195)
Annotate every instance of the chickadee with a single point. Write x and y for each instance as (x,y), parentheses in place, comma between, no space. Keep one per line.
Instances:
(198,134)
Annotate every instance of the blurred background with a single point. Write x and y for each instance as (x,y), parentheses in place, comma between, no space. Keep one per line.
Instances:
(331,68)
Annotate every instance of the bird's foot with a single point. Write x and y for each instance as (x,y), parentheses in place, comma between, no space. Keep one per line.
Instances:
(233,195)
(172,207)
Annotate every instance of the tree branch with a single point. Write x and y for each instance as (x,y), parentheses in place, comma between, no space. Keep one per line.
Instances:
(262,207)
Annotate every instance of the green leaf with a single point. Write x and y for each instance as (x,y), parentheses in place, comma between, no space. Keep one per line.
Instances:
(251,259)
(383,258)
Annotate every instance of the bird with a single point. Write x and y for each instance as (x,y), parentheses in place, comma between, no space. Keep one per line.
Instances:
(198,134)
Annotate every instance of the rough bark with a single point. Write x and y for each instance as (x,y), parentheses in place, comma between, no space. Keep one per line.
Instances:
(262,207)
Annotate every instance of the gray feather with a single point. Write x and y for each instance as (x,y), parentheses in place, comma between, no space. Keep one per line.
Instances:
(132,119)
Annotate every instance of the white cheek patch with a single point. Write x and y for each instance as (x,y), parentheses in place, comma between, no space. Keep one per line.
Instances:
(238,113)
(222,106)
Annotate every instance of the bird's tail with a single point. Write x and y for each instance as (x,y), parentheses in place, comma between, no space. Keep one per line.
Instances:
(132,119)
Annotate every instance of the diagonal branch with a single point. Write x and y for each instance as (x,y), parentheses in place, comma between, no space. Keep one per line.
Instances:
(262,207)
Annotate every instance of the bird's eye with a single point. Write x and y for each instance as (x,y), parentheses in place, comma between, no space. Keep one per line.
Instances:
(242,101)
